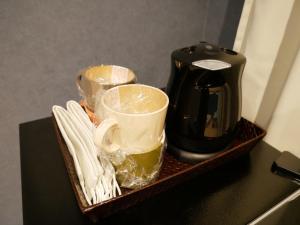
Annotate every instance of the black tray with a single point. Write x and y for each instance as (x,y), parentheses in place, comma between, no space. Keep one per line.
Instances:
(172,172)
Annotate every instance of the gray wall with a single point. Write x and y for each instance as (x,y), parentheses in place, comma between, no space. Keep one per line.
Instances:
(43,44)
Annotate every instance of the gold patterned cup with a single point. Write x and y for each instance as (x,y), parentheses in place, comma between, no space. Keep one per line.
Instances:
(132,130)
(137,170)
(94,81)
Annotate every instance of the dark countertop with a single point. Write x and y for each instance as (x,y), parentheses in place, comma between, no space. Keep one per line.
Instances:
(235,193)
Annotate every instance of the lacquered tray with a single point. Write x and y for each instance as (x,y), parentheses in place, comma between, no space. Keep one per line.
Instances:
(172,172)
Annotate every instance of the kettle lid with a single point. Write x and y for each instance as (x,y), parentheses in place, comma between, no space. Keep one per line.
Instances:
(208,56)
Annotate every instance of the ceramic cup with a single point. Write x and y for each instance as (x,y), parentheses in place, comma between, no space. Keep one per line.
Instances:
(133,118)
(94,81)
(137,170)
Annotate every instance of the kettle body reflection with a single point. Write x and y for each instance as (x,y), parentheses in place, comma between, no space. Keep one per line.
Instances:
(204,89)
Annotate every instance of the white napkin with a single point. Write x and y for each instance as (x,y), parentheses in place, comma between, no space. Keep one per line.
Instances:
(107,184)
(61,124)
(95,172)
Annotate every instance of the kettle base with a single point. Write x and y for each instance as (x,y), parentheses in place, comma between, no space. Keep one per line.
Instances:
(187,156)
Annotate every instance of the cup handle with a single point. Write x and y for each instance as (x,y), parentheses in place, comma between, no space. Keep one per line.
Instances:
(78,80)
(100,133)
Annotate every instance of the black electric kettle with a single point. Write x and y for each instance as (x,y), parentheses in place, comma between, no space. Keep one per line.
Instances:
(205,100)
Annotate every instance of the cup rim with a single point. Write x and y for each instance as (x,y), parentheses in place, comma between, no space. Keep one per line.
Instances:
(81,73)
(136,114)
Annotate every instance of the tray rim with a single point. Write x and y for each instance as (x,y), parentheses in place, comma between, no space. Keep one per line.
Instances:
(223,154)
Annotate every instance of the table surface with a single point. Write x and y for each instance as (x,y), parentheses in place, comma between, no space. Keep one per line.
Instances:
(235,193)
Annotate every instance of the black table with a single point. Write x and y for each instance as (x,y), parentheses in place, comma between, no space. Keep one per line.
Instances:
(235,193)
